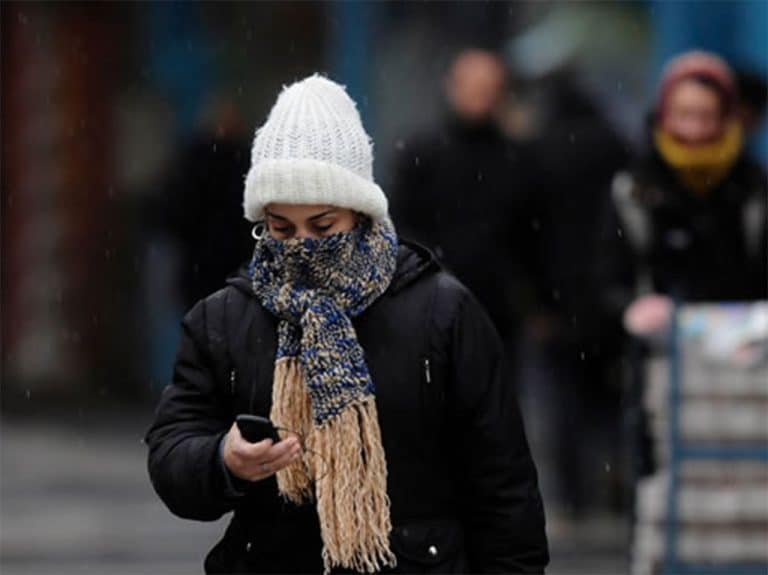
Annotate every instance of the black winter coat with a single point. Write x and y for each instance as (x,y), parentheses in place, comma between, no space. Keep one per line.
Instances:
(463,187)
(708,247)
(462,484)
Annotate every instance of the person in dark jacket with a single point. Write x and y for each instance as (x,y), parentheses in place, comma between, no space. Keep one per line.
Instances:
(402,448)
(462,190)
(687,223)
(689,220)
(566,357)
(202,205)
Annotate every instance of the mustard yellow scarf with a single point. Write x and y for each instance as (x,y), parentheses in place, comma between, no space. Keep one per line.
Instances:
(702,167)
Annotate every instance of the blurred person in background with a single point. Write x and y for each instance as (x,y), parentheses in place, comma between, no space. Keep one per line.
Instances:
(402,444)
(567,359)
(688,221)
(461,189)
(202,202)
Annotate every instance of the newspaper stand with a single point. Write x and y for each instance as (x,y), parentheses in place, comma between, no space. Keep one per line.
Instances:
(681,451)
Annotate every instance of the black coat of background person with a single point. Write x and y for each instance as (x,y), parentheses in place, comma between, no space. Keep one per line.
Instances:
(204,212)
(573,159)
(462,484)
(461,191)
(702,247)
(710,247)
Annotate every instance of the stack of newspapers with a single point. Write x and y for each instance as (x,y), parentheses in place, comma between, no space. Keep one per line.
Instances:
(720,499)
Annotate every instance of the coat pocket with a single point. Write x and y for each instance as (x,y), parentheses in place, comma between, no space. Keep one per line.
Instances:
(285,544)
(229,554)
(429,546)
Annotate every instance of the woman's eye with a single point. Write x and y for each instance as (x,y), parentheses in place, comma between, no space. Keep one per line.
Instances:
(324,228)
(280,230)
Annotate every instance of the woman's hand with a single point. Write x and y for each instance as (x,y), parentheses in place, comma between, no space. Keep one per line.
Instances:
(648,315)
(256,461)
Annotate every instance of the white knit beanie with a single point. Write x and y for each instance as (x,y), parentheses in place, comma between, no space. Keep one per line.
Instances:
(313,150)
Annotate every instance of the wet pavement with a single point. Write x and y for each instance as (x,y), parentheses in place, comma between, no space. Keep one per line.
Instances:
(75,499)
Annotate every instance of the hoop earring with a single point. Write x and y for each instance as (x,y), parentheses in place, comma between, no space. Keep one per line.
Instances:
(259,231)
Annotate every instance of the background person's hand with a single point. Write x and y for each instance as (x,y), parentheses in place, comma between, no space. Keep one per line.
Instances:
(256,461)
(648,315)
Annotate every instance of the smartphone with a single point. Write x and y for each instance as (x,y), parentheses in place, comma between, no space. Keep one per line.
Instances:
(255,428)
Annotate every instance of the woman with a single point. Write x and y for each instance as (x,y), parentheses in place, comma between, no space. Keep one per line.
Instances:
(402,447)
(689,220)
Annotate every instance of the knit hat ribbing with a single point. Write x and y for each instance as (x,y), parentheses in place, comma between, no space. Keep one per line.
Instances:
(313,150)
(693,64)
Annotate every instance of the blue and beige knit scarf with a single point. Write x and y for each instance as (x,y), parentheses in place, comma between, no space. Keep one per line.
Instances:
(322,387)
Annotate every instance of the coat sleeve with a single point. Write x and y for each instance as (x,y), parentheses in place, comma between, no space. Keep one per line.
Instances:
(617,265)
(503,511)
(191,418)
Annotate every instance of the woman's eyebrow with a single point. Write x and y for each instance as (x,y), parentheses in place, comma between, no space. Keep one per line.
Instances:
(274,215)
(320,215)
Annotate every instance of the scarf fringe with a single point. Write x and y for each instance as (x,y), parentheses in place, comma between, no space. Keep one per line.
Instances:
(292,409)
(349,464)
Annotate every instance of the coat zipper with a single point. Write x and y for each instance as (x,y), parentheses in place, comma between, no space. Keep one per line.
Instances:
(427,371)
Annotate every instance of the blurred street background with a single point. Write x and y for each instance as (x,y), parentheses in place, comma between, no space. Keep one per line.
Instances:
(126,131)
